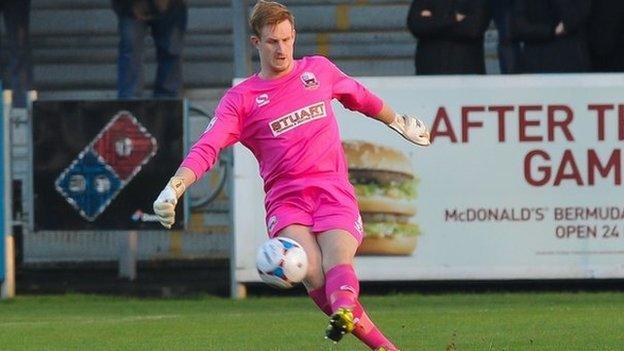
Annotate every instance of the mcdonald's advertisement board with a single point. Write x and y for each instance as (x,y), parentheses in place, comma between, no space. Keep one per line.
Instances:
(523,180)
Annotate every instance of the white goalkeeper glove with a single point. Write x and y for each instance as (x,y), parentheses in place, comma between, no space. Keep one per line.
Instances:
(412,129)
(164,206)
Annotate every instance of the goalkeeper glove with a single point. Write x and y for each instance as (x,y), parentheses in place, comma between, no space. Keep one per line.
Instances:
(412,129)
(164,206)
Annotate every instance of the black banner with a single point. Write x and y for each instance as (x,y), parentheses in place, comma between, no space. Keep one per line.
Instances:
(101,164)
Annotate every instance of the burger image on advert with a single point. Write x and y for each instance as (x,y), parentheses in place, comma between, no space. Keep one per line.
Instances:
(386,189)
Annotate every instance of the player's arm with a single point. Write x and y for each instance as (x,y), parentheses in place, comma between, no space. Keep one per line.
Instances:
(355,96)
(223,131)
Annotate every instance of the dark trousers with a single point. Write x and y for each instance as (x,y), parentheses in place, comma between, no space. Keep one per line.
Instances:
(19,70)
(168,35)
(509,51)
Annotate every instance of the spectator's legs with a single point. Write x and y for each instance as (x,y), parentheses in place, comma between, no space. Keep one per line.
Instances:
(17,22)
(509,52)
(168,33)
(130,60)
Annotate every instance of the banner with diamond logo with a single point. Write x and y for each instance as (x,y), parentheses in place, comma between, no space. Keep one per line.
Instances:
(106,165)
(96,163)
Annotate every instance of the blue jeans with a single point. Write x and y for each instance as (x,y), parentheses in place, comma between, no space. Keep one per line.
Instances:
(168,34)
(19,73)
(508,50)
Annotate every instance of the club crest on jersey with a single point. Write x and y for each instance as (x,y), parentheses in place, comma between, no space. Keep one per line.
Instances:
(262,100)
(309,80)
(297,118)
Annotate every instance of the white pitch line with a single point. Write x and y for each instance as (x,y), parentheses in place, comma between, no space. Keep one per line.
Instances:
(92,320)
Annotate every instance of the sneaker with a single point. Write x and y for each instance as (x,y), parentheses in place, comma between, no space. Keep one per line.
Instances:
(340,323)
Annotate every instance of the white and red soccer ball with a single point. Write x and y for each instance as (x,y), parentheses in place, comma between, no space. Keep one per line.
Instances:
(282,262)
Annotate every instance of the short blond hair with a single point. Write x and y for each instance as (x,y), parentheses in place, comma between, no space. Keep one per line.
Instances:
(268,13)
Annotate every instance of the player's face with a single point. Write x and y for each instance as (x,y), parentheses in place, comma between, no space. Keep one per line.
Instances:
(275,47)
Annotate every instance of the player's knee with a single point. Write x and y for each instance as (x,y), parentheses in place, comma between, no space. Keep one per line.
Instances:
(314,281)
(331,261)
(315,277)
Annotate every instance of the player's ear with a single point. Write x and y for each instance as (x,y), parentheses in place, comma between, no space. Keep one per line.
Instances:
(254,40)
(294,33)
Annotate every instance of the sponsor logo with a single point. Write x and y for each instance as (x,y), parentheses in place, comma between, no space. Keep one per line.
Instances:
(347,288)
(262,100)
(211,124)
(296,118)
(272,223)
(140,216)
(309,80)
(358,225)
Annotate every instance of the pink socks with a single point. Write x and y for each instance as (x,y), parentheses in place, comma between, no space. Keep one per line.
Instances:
(343,287)
(368,333)
(318,296)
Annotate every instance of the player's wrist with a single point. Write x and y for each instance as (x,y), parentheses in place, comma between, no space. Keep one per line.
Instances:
(398,123)
(176,184)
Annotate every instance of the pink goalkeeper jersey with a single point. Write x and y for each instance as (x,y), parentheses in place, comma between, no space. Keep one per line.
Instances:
(288,124)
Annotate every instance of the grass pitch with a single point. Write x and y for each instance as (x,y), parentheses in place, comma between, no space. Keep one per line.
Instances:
(453,322)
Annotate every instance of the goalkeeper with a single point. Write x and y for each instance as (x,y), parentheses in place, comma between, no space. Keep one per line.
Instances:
(283,114)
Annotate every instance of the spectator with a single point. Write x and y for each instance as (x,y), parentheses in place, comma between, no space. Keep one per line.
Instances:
(554,34)
(166,19)
(509,52)
(450,35)
(606,35)
(19,72)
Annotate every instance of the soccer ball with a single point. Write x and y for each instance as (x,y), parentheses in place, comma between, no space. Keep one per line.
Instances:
(282,262)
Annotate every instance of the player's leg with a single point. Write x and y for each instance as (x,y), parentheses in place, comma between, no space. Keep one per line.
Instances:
(338,249)
(342,291)
(342,287)
(303,235)
(339,230)
(315,280)
(290,217)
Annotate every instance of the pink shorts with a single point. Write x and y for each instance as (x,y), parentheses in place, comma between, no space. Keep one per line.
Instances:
(332,206)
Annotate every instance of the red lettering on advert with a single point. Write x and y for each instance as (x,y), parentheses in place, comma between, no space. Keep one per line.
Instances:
(613,164)
(543,171)
(621,122)
(467,123)
(563,125)
(534,123)
(600,115)
(442,126)
(539,170)
(501,111)
(568,162)
(525,123)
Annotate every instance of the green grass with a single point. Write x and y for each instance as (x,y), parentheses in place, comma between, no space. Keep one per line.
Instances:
(454,322)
